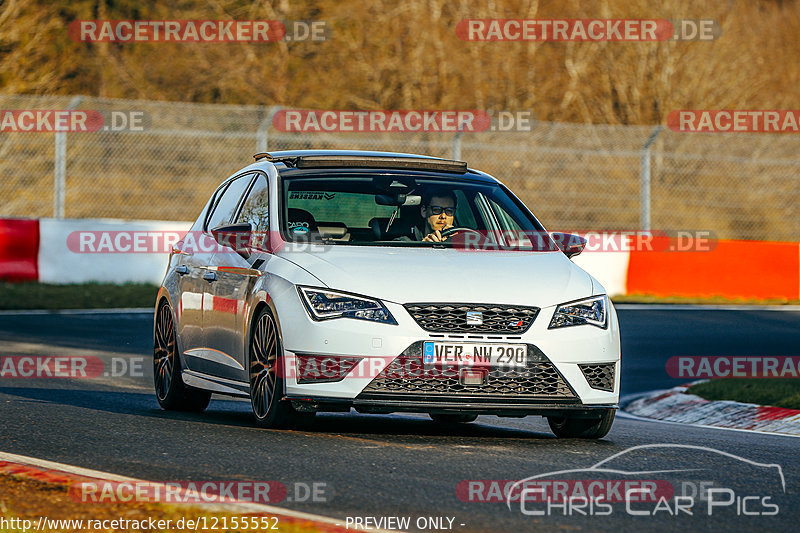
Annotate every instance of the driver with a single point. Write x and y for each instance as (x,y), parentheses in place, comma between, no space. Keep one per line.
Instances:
(438,209)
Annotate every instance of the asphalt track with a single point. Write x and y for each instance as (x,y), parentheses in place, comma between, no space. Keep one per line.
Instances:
(405,465)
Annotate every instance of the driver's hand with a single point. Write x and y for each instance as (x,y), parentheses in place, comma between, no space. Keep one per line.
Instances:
(436,236)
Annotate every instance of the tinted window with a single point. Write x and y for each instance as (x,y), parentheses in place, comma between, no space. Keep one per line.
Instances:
(227,203)
(390,210)
(255,209)
(355,209)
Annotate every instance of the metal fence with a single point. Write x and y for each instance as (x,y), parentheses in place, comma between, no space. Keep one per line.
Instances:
(573,176)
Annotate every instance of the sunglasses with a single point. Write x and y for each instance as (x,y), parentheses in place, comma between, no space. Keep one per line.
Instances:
(437,210)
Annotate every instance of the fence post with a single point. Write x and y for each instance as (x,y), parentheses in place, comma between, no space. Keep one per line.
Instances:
(262,135)
(457,145)
(60,165)
(644,218)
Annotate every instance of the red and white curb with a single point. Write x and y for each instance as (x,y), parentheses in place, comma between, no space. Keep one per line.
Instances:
(63,474)
(674,405)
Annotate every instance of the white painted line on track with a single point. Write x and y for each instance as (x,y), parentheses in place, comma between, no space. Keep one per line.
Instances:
(244,507)
(705,307)
(14,458)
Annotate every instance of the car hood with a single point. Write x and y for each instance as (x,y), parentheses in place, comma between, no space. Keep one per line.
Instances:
(405,275)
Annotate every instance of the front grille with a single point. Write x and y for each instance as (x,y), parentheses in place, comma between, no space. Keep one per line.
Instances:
(599,376)
(408,375)
(452,318)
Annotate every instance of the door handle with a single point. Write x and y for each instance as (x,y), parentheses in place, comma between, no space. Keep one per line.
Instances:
(210,276)
(182,269)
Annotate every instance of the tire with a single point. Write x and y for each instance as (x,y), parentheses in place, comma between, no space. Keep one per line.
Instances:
(452,418)
(266,384)
(171,392)
(582,428)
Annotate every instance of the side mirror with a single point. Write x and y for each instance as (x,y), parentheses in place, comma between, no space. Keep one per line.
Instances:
(236,236)
(570,244)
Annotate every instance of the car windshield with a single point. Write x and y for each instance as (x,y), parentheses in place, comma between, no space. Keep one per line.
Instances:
(405,210)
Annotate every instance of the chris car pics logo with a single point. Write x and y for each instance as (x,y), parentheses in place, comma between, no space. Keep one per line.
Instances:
(725,481)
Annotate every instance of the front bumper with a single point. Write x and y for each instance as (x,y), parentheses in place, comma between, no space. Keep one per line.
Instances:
(456,405)
(377,346)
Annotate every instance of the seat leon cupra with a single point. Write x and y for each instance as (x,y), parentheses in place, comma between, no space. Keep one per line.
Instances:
(317,281)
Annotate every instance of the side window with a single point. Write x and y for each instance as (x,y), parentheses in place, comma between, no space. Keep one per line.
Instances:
(255,210)
(464,216)
(513,233)
(506,221)
(226,205)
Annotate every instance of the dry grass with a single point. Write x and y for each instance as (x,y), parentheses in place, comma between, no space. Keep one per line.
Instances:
(775,392)
(30,499)
(389,55)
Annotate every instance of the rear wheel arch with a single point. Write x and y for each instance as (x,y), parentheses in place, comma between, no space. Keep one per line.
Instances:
(171,392)
(164,299)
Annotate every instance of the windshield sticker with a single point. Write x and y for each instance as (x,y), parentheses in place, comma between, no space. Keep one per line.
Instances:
(296,195)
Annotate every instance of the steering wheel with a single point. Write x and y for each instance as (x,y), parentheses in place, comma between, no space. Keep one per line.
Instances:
(446,234)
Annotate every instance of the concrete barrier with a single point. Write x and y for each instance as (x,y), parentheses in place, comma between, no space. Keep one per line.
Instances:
(733,269)
(61,263)
(19,247)
(53,251)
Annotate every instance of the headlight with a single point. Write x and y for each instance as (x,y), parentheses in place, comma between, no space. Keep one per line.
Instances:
(323,304)
(589,311)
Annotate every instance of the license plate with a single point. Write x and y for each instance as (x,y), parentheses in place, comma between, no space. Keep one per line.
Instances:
(435,353)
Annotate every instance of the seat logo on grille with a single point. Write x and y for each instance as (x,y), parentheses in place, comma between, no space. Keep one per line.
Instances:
(474,318)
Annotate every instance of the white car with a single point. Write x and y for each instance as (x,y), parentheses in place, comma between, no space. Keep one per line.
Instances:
(320,281)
